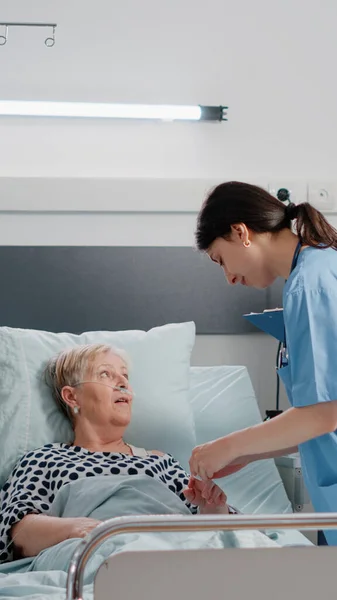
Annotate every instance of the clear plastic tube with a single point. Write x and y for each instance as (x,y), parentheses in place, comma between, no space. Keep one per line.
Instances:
(113,387)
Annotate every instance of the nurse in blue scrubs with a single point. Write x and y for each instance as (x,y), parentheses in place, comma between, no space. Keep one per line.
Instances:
(255,238)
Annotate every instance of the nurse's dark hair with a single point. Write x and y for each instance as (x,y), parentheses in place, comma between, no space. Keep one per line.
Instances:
(234,202)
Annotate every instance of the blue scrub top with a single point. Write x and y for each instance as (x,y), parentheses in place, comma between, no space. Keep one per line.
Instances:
(310,318)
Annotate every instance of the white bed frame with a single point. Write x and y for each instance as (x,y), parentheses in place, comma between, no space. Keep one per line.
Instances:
(301,572)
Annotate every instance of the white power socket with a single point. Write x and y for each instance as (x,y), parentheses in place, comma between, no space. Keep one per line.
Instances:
(323,196)
(297,189)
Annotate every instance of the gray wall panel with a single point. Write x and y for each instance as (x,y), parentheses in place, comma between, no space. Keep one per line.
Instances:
(92,288)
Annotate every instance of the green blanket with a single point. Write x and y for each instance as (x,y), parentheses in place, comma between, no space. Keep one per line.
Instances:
(102,498)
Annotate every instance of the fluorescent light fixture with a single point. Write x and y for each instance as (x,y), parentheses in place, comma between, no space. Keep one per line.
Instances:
(112,111)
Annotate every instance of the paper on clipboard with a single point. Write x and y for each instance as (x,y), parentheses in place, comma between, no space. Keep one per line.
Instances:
(270,321)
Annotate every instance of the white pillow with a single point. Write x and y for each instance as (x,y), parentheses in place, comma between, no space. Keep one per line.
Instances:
(160,375)
(223,401)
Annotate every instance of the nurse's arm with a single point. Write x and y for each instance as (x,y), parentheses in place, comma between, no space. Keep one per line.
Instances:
(293,427)
(265,455)
(243,461)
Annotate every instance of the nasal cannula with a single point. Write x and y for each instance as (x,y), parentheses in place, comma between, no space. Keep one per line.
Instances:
(113,387)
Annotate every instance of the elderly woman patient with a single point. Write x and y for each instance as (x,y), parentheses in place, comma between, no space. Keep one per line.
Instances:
(91,385)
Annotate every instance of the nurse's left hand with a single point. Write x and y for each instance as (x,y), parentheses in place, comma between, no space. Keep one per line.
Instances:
(208,459)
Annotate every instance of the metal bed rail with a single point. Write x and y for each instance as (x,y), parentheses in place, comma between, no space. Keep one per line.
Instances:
(155,523)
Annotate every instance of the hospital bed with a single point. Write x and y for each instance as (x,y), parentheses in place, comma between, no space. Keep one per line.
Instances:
(301,572)
(234,571)
(221,399)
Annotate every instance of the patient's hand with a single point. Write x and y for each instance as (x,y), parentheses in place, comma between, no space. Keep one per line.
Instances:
(79,527)
(207,495)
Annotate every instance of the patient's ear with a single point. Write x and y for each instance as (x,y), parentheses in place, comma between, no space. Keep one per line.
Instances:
(69,395)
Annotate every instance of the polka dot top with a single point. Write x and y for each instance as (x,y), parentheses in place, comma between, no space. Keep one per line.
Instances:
(37,477)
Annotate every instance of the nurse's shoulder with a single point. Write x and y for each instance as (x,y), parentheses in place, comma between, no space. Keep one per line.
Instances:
(316,270)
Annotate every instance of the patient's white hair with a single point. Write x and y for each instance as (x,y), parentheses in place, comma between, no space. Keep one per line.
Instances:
(73,365)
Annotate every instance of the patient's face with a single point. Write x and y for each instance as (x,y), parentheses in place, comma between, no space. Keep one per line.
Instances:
(99,403)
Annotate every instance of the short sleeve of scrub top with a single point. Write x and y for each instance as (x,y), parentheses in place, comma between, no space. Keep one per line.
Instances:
(310,316)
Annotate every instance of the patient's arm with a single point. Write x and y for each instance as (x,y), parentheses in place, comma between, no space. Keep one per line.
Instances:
(35,533)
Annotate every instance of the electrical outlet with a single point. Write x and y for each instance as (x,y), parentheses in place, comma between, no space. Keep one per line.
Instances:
(296,189)
(323,195)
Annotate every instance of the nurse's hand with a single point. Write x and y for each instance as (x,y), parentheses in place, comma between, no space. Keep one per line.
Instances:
(211,458)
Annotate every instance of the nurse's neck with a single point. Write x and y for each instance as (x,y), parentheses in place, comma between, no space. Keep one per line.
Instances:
(281,250)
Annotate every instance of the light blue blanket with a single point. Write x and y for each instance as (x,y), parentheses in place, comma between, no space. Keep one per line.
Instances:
(102,498)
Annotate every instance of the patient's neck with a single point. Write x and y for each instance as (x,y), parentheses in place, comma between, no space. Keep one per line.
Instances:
(101,439)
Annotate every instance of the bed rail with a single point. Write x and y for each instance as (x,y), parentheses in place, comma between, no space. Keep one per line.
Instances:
(135,524)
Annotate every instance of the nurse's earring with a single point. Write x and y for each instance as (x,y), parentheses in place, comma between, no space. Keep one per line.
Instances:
(76,410)
(247,244)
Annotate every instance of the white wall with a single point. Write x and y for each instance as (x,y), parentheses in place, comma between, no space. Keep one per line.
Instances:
(273,63)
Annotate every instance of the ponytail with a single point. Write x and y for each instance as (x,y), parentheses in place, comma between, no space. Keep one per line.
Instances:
(235,202)
(312,227)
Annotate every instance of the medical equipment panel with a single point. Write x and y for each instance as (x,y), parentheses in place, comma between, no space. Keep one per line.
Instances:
(290,470)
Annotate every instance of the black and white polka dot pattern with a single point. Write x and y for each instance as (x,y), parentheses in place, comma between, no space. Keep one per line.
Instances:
(38,476)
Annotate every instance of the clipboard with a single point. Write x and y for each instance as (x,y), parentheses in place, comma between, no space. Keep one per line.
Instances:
(269,321)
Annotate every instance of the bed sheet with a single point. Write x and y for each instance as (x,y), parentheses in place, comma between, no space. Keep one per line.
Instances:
(44,576)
